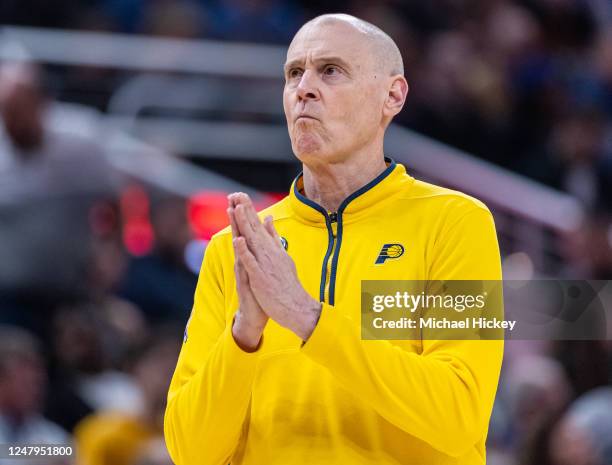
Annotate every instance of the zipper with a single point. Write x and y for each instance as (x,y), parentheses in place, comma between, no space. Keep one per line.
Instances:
(333,222)
(332,225)
(337,232)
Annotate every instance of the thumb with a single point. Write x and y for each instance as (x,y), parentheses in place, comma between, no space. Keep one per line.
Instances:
(241,273)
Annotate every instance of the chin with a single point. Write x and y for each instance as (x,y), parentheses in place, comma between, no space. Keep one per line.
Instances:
(307,146)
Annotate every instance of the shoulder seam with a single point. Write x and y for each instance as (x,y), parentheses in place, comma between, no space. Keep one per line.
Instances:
(469,199)
(477,209)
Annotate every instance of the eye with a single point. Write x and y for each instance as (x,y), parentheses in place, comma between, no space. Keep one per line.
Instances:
(331,70)
(294,73)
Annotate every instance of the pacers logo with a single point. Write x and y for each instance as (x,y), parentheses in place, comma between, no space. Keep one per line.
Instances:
(389,251)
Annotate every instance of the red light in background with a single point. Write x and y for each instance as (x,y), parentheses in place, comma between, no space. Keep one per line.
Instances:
(138,235)
(207,213)
(269,198)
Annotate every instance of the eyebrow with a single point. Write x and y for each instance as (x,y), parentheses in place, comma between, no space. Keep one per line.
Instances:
(324,59)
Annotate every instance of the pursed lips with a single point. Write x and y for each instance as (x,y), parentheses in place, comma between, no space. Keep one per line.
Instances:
(306,117)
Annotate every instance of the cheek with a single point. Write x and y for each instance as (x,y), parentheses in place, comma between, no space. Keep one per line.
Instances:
(286,103)
(358,111)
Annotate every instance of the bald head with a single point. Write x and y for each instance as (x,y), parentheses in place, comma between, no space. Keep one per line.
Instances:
(344,83)
(384,50)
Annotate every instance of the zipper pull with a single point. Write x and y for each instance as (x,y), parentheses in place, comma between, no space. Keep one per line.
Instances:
(333,217)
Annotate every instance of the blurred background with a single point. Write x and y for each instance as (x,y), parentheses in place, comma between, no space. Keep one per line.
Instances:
(126,122)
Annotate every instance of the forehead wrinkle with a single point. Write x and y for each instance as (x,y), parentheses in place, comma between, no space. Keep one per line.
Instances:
(324,58)
(382,50)
(316,49)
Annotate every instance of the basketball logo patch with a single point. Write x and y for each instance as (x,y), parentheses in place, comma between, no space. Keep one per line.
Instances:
(389,251)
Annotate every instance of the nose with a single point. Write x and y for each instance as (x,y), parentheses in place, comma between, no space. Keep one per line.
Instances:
(307,88)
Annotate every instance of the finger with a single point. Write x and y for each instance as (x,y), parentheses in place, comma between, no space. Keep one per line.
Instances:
(257,239)
(251,213)
(237,253)
(233,224)
(234,199)
(253,239)
(240,197)
(269,226)
(247,258)
(242,222)
(254,231)
(250,271)
(236,256)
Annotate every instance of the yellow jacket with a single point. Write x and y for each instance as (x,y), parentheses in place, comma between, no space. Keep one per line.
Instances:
(338,399)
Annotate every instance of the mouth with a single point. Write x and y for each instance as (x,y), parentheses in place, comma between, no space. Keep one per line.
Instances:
(306,117)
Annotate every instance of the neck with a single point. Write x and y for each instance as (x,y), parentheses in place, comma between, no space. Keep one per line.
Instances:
(329,184)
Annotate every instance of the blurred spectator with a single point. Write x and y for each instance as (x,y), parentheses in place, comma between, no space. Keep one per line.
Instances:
(537,448)
(588,250)
(535,388)
(160,283)
(116,438)
(23,382)
(576,160)
(587,363)
(49,180)
(90,345)
(108,260)
(584,435)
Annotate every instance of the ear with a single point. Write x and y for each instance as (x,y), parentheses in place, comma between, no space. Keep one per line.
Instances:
(396,96)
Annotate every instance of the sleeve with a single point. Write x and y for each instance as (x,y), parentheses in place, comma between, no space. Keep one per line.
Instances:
(443,395)
(209,395)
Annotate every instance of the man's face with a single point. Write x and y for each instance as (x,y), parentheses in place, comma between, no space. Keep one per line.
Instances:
(21,110)
(333,94)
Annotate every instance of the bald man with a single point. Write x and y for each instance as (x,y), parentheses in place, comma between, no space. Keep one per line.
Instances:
(273,369)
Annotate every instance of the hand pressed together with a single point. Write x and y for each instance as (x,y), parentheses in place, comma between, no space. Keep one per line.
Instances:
(266,278)
(250,319)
